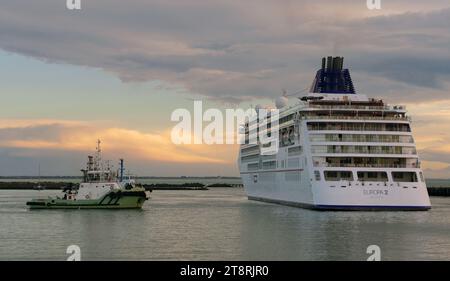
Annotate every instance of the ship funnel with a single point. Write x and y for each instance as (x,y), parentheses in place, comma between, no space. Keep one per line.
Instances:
(332,78)
(121,170)
(332,63)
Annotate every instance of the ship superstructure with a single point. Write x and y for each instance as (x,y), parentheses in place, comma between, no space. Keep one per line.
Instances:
(337,150)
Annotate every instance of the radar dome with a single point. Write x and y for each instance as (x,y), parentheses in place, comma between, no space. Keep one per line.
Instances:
(281,102)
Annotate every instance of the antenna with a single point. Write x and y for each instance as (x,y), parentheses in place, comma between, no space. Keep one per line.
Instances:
(285,94)
(98,157)
(99,150)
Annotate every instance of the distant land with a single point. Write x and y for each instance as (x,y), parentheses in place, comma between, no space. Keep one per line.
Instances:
(151,177)
(137,177)
(436,187)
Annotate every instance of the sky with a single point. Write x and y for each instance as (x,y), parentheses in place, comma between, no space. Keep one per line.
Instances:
(116,70)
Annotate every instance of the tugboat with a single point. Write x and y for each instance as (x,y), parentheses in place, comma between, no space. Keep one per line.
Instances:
(101,188)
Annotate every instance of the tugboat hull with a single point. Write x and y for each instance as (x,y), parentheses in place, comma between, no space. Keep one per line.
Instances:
(112,200)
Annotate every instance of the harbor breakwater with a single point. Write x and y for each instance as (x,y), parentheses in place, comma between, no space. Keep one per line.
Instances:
(52,185)
(56,185)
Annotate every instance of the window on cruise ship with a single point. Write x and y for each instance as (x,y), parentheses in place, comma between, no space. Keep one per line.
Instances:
(287,136)
(286,118)
(360,138)
(317,175)
(338,175)
(251,150)
(372,176)
(252,167)
(404,176)
(250,158)
(293,151)
(394,127)
(270,165)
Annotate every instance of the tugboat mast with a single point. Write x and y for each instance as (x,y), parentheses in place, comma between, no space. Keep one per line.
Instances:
(98,157)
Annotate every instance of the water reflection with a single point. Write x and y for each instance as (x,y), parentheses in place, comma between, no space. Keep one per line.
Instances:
(219,224)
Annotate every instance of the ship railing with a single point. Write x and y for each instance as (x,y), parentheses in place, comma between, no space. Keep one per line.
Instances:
(361,140)
(338,117)
(249,153)
(385,107)
(356,129)
(362,152)
(366,165)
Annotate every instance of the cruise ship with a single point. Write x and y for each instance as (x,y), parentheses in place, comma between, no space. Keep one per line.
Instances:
(337,150)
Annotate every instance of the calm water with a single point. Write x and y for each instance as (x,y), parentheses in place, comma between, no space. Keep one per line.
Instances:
(218,224)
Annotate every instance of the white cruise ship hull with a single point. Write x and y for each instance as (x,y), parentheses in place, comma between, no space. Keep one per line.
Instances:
(342,195)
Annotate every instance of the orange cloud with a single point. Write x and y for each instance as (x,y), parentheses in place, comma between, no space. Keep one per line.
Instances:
(434,165)
(81,136)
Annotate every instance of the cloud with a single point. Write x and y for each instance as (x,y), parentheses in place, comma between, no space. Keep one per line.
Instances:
(430,129)
(231,50)
(36,138)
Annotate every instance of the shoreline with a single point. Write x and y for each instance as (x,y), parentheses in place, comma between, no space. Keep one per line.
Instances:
(442,191)
(44,185)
